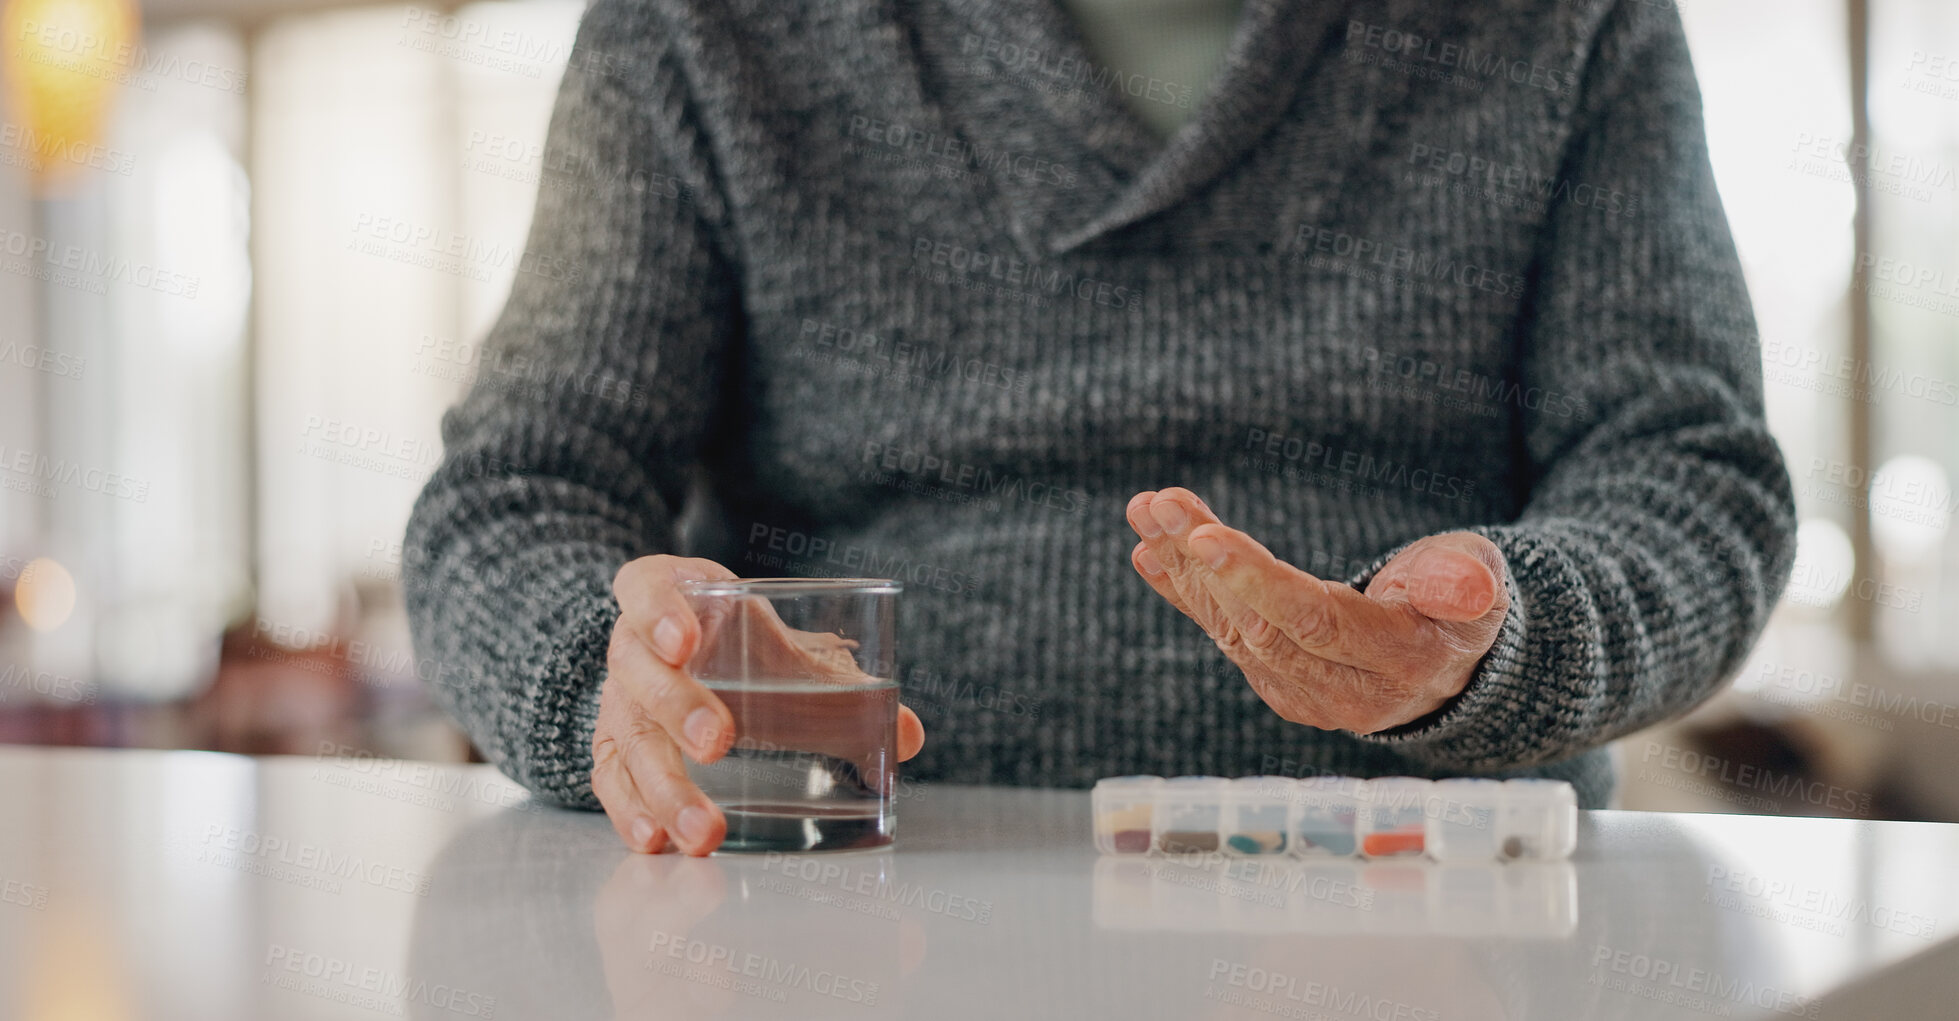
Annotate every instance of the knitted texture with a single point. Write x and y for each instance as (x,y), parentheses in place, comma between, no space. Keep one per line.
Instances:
(850,287)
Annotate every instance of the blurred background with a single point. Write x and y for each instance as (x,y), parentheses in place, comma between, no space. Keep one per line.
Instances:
(249,248)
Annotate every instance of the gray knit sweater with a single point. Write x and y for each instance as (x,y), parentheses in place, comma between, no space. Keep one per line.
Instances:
(855,287)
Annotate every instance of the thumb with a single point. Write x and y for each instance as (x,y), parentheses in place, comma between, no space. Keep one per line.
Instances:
(1455,577)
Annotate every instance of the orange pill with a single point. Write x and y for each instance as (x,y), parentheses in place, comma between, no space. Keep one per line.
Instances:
(1381,845)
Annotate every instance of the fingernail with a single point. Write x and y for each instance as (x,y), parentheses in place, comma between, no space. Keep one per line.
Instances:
(1209,550)
(693,823)
(642,832)
(701,728)
(667,636)
(1148,562)
(1170,515)
(1147,525)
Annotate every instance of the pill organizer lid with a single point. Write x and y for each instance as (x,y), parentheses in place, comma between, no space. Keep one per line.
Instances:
(1397,790)
(1261,788)
(1539,791)
(1127,784)
(1474,789)
(1350,786)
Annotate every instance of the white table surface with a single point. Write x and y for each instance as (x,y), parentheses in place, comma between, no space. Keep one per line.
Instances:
(193,885)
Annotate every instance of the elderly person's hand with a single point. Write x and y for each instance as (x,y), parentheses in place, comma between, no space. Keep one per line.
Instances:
(1319,652)
(653,714)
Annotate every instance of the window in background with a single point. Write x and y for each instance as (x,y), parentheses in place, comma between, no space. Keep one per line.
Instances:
(1791,215)
(1849,693)
(1912,172)
(397,153)
(137,276)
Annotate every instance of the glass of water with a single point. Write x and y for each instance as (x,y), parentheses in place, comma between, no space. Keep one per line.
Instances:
(808,667)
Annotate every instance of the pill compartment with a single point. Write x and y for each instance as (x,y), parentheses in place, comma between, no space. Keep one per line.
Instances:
(1255,815)
(1123,807)
(1189,814)
(1393,818)
(1322,817)
(1462,819)
(1538,819)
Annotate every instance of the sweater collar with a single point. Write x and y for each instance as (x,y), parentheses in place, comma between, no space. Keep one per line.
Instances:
(1068,157)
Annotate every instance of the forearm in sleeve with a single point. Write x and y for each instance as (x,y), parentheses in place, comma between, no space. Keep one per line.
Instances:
(1659,527)
(569,455)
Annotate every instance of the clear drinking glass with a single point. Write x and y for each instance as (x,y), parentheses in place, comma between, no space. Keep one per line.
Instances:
(808,667)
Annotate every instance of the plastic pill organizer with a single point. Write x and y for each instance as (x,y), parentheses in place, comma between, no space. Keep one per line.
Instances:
(1462,820)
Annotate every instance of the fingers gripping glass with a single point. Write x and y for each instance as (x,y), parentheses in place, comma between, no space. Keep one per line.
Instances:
(808,668)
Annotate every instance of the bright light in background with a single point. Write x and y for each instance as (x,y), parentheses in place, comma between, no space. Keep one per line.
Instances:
(61,68)
(1911,503)
(203,220)
(45,594)
(1824,561)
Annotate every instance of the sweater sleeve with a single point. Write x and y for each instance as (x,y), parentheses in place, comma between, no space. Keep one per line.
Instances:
(1658,529)
(570,453)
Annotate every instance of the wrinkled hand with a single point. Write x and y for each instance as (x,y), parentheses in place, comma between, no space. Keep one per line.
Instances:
(1319,652)
(652,711)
